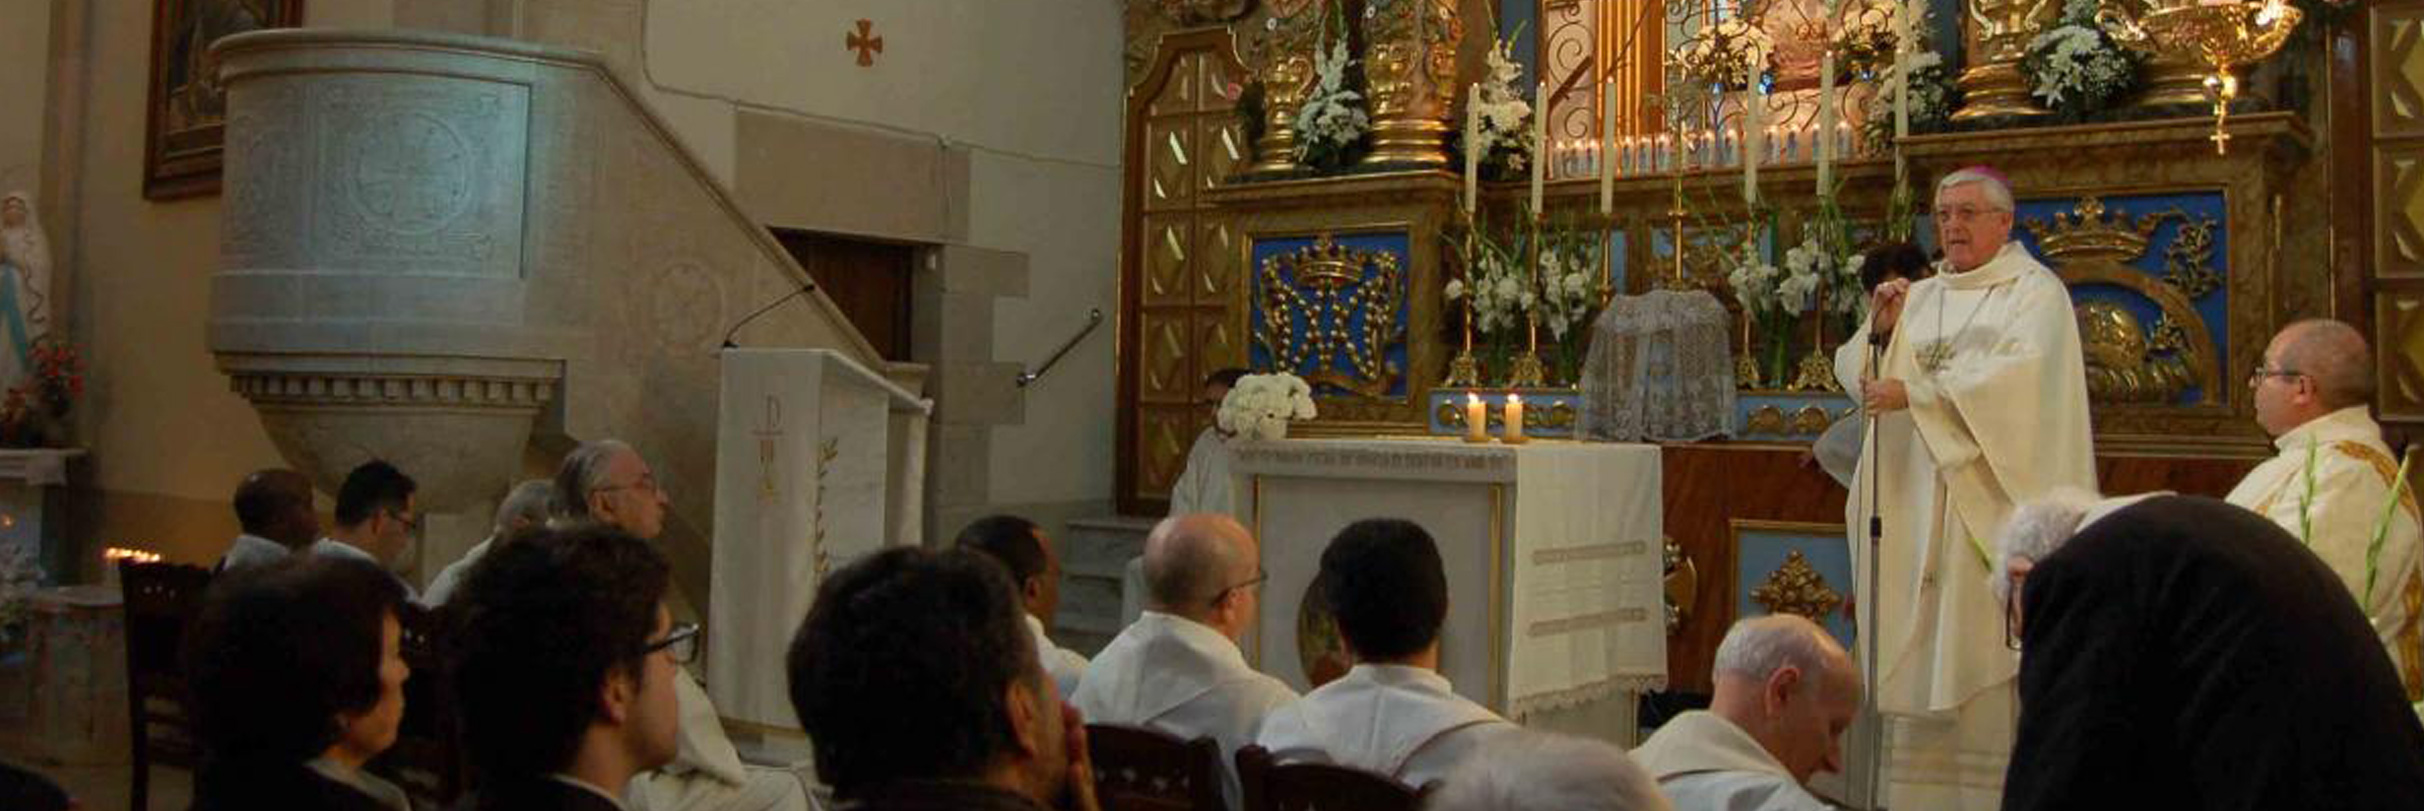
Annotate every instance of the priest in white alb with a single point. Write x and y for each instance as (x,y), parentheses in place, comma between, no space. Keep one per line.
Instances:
(1980,403)
(1177,669)
(2331,485)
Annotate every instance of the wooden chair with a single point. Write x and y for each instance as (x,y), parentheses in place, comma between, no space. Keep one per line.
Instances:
(427,758)
(1272,786)
(1138,769)
(160,599)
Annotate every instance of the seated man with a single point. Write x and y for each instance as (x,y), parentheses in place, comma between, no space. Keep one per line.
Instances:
(919,689)
(1785,694)
(564,665)
(2174,654)
(524,507)
(1177,669)
(274,508)
(376,518)
(1392,713)
(606,482)
(1035,566)
(1541,771)
(2333,478)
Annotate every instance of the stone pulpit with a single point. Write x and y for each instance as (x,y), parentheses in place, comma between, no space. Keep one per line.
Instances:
(1553,554)
(818,461)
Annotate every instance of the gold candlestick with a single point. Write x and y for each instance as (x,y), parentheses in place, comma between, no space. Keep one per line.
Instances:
(1993,86)
(1465,370)
(1527,371)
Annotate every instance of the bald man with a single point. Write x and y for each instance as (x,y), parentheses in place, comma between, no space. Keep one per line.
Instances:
(1178,669)
(1785,693)
(274,508)
(2333,479)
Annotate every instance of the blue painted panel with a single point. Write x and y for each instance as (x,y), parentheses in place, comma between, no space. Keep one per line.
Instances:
(2213,307)
(1760,551)
(1520,20)
(1617,241)
(1393,243)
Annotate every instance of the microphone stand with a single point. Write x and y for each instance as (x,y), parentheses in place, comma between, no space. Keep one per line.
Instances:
(753,315)
(1876,539)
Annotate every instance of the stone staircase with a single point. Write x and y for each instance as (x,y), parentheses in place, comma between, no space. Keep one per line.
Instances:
(1094,553)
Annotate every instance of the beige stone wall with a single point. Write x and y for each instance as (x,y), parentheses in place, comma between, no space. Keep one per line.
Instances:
(1008,112)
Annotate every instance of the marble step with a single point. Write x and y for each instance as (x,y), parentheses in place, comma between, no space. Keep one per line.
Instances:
(1093,555)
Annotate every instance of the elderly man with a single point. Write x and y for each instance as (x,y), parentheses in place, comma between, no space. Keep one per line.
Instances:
(1392,713)
(524,507)
(1785,694)
(2177,657)
(604,481)
(918,686)
(376,517)
(1034,564)
(2333,483)
(274,508)
(1541,771)
(1177,669)
(1979,402)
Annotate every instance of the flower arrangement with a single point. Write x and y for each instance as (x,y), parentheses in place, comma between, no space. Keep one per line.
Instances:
(1502,291)
(1866,42)
(2076,68)
(20,576)
(1723,54)
(31,411)
(1261,406)
(1332,122)
(1934,94)
(1505,117)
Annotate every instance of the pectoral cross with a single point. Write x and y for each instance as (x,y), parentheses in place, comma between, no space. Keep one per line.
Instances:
(1934,355)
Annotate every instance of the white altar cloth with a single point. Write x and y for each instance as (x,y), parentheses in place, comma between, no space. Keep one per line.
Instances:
(1553,552)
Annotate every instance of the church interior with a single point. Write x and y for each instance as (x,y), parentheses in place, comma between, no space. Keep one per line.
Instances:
(1601,296)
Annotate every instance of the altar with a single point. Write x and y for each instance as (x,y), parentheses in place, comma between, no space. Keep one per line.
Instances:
(1553,558)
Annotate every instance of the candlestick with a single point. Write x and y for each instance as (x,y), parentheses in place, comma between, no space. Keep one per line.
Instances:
(1472,146)
(1902,86)
(1540,142)
(1477,419)
(1826,119)
(1607,137)
(1754,110)
(1514,417)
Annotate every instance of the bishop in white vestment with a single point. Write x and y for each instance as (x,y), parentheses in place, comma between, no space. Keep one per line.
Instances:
(1980,404)
(2332,484)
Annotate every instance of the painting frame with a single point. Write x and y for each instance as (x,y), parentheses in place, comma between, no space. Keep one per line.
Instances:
(184,122)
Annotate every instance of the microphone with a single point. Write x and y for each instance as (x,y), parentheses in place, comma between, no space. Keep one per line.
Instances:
(753,315)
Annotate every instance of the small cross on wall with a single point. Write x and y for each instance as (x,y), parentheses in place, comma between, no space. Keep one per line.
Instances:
(865,43)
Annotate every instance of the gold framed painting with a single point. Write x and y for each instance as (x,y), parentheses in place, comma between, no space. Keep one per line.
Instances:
(186,110)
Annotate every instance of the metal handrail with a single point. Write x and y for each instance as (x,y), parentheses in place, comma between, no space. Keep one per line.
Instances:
(1094,319)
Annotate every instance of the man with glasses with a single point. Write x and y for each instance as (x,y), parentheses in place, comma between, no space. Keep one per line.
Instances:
(377,518)
(1979,403)
(605,482)
(2333,482)
(1177,669)
(565,666)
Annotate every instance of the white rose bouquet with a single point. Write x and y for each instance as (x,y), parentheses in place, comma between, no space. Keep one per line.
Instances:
(1261,406)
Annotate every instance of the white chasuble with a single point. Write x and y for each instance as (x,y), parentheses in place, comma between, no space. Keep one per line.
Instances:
(1998,417)
(2330,486)
(1705,763)
(1172,674)
(1404,722)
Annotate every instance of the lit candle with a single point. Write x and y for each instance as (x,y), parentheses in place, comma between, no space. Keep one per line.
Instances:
(1472,178)
(1477,419)
(1826,118)
(1540,143)
(1607,138)
(1514,418)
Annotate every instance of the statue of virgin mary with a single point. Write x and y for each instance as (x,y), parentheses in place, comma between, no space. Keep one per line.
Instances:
(25,265)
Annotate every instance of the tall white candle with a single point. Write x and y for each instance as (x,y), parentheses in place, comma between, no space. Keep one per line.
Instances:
(1754,109)
(1826,119)
(1472,142)
(1540,143)
(1607,146)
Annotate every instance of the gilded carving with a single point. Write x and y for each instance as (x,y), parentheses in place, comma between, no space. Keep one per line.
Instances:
(1767,419)
(2398,71)
(1796,588)
(1326,303)
(2399,209)
(2401,333)
(1283,62)
(1811,420)
(1411,69)
(1201,12)
(2125,364)
(2188,261)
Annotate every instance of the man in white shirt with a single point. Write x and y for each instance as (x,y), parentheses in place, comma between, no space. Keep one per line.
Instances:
(524,507)
(376,518)
(1177,669)
(274,508)
(1544,771)
(2333,481)
(1392,713)
(1785,693)
(605,481)
(1034,564)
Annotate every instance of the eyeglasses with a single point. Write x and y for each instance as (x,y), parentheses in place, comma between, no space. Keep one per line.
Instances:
(410,523)
(682,643)
(1964,213)
(2261,372)
(647,483)
(1254,583)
